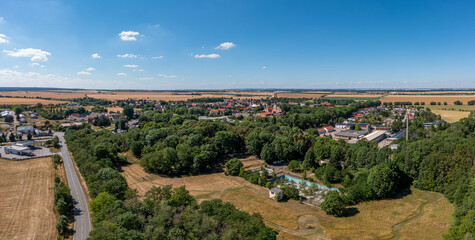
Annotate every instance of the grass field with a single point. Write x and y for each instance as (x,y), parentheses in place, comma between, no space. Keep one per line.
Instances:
(452,113)
(376,219)
(427,99)
(26,202)
(27,101)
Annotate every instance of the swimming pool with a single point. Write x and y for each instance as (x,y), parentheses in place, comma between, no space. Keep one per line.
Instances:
(300,181)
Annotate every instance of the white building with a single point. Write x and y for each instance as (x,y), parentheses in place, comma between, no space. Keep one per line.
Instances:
(274,192)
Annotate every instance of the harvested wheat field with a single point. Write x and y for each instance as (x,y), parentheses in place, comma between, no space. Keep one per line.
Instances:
(26,202)
(27,101)
(299,95)
(175,96)
(55,94)
(427,99)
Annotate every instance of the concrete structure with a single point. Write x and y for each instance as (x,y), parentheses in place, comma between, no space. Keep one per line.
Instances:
(274,192)
(25,130)
(19,150)
(7,113)
(349,135)
(376,136)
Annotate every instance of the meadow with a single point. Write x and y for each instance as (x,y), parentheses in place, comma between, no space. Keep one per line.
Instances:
(405,217)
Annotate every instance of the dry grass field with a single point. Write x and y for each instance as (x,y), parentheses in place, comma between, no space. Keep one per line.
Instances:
(452,113)
(26,202)
(203,187)
(376,219)
(433,219)
(26,101)
(450,99)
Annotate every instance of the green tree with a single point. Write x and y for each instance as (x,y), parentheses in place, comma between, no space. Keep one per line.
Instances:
(382,180)
(294,166)
(62,225)
(233,167)
(136,148)
(128,111)
(333,204)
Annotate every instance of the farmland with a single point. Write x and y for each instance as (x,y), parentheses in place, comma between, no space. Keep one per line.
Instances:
(427,99)
(300,94)
(26,205)
(355,96)
(26,101)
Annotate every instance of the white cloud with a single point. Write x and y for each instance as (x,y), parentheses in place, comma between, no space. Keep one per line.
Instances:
(138,70)
(35,54)
(34,64)
(131,66)
(127,55)
(121,74)
(128,35)
(1,19)
(3,39)
(16,66)
(264,67)
(84,73)
(225,46)
(159,57)
(146,78)
(96,56)
(213,55)
(91,69)
(167,76)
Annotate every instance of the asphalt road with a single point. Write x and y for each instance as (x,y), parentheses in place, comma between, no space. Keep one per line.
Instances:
(82,220)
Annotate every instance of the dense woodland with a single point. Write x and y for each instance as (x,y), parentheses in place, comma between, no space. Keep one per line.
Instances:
(174,142)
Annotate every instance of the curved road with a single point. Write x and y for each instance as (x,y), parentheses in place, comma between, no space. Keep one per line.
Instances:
(82,220)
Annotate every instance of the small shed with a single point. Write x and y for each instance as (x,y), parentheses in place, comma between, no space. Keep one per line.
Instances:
(275,192)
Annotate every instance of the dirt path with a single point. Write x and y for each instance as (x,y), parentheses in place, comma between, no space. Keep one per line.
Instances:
(396,228)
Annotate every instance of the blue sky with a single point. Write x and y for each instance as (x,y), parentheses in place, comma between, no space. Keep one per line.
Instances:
(237,44)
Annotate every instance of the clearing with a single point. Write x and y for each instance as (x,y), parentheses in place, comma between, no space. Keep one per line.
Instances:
(402,218)
(452,113)
(293,220)
(27,205)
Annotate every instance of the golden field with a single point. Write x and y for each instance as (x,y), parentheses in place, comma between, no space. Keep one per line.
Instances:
(27,101)
(26,202)
(427,99)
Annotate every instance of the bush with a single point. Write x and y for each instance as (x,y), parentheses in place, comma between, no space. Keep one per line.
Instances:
(294,166)
(233,167)
(290,192)
(334,204)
